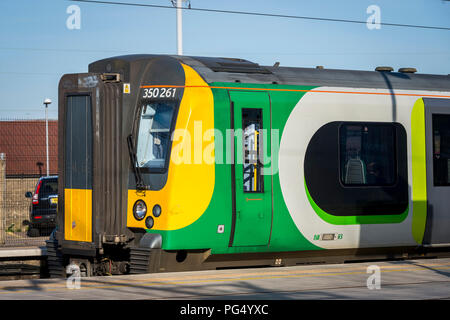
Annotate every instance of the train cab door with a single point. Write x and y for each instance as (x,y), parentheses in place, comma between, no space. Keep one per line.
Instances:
(252,192)
(77,180)
(437,137)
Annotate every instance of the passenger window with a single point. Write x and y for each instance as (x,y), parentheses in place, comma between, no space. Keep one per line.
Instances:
(367,154)
(252,125)
(441,150)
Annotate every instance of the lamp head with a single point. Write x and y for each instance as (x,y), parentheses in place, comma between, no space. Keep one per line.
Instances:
(47,101)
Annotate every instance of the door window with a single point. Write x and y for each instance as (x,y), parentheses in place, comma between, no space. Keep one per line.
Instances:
(252,125)
(441,150)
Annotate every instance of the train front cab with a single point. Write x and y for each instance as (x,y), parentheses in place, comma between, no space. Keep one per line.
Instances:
(126,185)
(115,145)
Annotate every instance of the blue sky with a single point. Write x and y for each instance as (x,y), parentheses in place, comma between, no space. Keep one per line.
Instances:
(36,47)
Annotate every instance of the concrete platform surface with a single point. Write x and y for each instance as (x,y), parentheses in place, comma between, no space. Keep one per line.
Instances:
(414,279)
(20,252)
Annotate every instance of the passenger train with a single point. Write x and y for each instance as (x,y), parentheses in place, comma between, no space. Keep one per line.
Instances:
(170,163)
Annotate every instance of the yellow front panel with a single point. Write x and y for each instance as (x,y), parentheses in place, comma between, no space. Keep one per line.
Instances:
(190,182)
(78,215)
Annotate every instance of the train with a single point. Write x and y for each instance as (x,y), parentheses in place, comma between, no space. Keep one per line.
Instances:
(171,163)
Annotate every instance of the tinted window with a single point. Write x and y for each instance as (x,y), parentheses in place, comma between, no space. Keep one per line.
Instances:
(49,187)
(367,154)
(325,170)
(441,150)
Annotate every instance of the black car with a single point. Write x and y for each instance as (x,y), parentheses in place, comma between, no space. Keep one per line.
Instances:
(43,208)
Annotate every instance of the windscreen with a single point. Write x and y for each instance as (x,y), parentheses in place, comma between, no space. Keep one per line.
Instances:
(154,134)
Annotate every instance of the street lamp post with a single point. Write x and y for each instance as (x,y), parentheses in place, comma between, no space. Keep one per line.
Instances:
(46,102)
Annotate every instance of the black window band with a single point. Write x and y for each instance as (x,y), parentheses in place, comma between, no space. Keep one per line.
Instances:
(323,174)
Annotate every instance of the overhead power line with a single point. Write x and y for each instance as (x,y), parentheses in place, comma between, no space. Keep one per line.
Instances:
(261,14)
(63,50)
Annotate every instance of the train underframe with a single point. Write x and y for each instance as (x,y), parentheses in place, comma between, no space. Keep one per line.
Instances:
(120,259)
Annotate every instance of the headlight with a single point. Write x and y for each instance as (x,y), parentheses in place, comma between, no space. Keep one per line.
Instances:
(149,222)
(156,210)
(139,210)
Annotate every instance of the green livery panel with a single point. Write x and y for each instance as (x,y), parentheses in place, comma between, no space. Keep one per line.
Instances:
(252,221)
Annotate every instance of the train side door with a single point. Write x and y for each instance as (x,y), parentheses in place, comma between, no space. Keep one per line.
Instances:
(437,132)
(252,203)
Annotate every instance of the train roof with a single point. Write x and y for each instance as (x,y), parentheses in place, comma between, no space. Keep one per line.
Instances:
(214,69)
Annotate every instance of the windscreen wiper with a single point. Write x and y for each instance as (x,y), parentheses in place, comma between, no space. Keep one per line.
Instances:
(140,184)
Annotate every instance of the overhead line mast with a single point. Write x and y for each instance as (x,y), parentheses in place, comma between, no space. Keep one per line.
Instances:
(179,5)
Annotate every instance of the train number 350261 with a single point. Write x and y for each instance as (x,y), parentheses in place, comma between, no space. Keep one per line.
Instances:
(159,93)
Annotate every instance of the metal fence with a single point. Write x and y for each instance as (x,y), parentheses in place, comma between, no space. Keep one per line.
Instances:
(22,162)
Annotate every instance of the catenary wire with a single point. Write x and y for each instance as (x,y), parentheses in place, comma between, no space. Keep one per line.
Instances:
(260,14)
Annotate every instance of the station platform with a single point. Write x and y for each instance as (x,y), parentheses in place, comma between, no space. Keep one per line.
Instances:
(22,252)
(420,279)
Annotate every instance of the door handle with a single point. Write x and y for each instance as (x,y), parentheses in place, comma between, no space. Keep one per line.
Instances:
(238,214)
